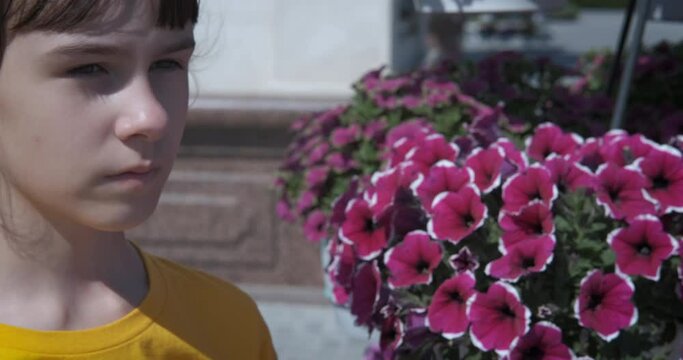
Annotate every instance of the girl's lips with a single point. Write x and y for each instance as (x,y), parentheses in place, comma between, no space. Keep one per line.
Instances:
(134,179)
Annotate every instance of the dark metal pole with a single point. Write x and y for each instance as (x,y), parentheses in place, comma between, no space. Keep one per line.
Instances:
(626,26)
(627,74)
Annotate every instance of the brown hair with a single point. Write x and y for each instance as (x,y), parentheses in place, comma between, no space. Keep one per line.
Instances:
(70,15)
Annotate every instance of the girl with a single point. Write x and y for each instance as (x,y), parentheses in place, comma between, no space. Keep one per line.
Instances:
(93,100)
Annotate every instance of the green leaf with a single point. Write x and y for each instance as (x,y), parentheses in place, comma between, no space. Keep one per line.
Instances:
(607,257)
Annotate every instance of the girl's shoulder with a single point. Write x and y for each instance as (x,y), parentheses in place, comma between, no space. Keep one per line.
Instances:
(207,309)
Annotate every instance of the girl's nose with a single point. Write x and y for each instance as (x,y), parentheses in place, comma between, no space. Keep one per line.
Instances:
(141,114)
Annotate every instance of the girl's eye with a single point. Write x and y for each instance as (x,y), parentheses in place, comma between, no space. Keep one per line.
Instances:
(167,65)
(88,70)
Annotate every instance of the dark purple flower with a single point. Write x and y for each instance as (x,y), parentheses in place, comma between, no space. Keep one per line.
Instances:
(463,261)
(366,288)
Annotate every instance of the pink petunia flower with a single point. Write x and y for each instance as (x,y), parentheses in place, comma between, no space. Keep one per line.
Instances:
(568,175)
(532,221)
(434,148)
(623,149)
(498,318)
(589,155)
(463,261)
(318,154)
(315,227)
(550,139)
(663,168)
(375,130)
(316,176)
(284,209)
(340,271)
(404,137)
(527,256)
(542,342)
(486,164)
(456,215)
(306,201)
(604,304)
(388,183)
(345,135)
(443,176)
(340,162)
(641,247)
(513,155)
(534,183)
(447,313)
(391,333)
(620,191)
(360,230)
(413,260)
(366,288)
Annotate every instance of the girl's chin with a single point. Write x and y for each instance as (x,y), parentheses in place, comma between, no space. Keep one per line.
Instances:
(120,219)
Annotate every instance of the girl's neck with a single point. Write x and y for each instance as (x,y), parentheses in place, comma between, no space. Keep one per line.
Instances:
(62,266)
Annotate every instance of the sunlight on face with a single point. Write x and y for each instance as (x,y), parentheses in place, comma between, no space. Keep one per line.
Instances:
(79,109)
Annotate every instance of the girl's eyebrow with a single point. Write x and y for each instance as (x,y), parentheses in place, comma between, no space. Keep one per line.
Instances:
(85,48)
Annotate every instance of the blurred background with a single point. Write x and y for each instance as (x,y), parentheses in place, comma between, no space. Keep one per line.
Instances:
(261,64)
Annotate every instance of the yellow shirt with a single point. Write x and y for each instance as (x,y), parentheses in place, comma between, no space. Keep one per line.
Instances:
(186,314)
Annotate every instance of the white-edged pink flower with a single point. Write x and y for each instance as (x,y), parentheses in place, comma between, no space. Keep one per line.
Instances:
(528,256)
(498,318)
(532,221)
(433,149)
(542,342)
(360,230)
(444,176)
(663,168)
(456,215)
(486,164)
(534,183)
(621,192)
(568,174)
(549,139)
(413,260)
(605,304)
(641,247)
(447,313)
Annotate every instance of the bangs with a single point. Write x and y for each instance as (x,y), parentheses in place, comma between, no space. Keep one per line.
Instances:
(72,15)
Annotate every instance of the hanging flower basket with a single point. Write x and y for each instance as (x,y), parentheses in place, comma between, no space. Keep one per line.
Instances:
(564,246)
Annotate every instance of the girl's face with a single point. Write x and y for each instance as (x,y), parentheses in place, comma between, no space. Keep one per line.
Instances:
(78,109)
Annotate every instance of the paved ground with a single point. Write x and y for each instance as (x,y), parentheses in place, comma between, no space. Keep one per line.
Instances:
(305,326)
(311,332)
